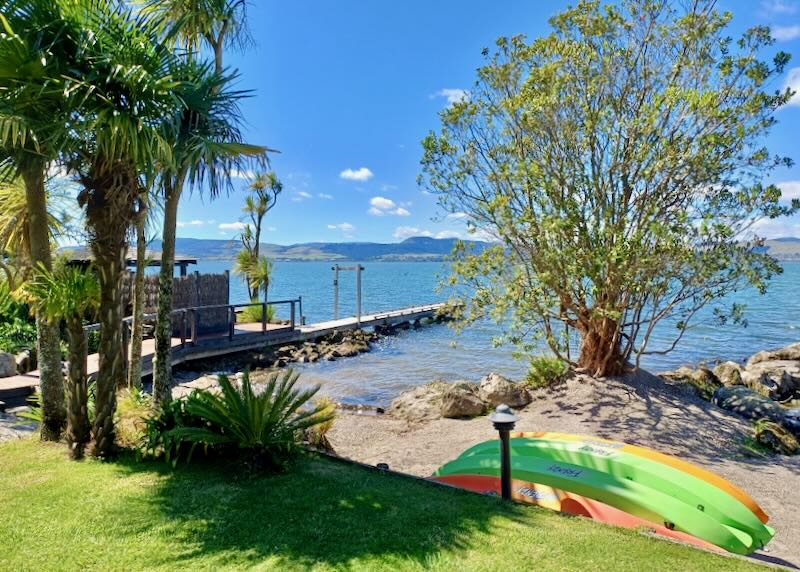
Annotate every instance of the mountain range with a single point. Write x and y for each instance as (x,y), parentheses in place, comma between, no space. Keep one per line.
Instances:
(415,248)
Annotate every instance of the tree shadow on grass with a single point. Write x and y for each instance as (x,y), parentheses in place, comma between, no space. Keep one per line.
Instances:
(320,511)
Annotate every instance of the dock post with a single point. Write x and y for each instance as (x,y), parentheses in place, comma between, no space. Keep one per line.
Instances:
(193,330)
(291,316)
(300,310)
(263,317)
(335,269)
(359,268)
(231,322)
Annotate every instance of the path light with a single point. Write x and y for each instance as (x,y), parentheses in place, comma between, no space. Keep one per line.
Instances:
(504,420)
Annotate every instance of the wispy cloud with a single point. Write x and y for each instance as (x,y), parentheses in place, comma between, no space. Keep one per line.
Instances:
(237,174)
(226,226)
(403,232)
(785,33)
(271,228)
(183,223)
(301,196)
(388,188)
(457,215)
(362,174)
(777,228)
(453,95)
(325,196)
(789,190)
(381,206)
(345,228)
(793,82)
(778,7)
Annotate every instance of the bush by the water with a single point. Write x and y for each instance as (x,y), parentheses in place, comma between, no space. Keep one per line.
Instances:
(260,427)
(17,328)
(545,372)
(253,313)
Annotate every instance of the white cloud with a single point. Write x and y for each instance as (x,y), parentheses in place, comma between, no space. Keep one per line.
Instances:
(381,206)
(363,174)
(346,228)
(453,95)
(785,33)
(325,196)
(183,223)
(457,215)
(272,228)
(231,226)
(793,82)
(403,232)
(789,190)
(778,7)
(777,228)
(237,174)
(301,196)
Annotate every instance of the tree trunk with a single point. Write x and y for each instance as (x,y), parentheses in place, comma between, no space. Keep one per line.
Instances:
(600,348)
(109,257)
(135,367)
(51,379)
(78,429)
(162,376)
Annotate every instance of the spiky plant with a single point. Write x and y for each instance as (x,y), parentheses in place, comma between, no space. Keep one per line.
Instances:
(265,425)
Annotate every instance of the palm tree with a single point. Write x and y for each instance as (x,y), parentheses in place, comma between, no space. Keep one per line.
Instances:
(214,23)
(137,326)
(207,151)
(68,294)
(38,94)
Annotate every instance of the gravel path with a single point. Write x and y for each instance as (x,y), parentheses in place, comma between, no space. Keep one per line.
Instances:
(641,410)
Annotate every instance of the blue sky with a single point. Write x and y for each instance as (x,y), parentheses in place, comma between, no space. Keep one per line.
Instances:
(346,90)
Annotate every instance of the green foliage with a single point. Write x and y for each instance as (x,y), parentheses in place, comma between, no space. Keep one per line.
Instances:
(35,412)
(253,313)
(317,435)
(17,329)
(263,427)
(619,161)
(65,292)
(134,407)
(546,372)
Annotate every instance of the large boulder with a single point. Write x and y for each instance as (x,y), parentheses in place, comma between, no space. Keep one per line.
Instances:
(461,400)
(8,365)
(704,381)
(790,352)
(729,373)
(749,404)
(776,379)
(496,389)
(420,403)
(776,437)
(791,420)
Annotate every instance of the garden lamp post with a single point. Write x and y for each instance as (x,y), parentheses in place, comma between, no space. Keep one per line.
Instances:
(504,420)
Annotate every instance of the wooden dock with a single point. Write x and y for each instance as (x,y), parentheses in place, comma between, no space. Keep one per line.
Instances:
(240,337)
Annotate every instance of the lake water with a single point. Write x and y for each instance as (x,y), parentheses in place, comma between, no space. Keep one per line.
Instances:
(416,357)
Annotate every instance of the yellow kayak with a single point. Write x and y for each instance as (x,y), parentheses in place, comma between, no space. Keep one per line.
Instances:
(668,460)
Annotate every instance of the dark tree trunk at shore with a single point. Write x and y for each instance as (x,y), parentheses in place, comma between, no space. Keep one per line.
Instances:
(78,427)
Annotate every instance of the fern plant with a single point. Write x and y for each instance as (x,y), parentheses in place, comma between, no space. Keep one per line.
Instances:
(263,426)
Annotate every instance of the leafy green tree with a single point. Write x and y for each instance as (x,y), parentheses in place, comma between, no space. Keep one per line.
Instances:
(619,162)
(70,294)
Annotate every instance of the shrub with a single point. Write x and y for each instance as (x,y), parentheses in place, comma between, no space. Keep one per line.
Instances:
(262,428)
(545,372)
(253,313)
(133,410)
(317,434)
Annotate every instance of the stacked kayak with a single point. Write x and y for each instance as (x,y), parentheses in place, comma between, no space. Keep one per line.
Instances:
(619,484)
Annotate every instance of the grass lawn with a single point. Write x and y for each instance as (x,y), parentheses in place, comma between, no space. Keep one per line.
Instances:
(323,515)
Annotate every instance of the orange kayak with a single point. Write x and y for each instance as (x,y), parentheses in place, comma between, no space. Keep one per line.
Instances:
(668,460)
(567,503)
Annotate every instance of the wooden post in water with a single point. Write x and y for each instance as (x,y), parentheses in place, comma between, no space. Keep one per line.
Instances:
(335,269)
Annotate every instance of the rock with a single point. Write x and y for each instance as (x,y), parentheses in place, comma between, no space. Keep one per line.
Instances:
(496,389)
(420,403)
(776,379)
(791,420)
(24,361)
(702,379)
(790,352)
(747,403)
(776,437)
(461,400)
(729,373)
(345,349)
(8,365)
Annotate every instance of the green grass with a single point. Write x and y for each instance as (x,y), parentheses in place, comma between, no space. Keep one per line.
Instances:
(323,515)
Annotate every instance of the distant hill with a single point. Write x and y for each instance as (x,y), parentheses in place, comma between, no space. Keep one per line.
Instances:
(416,248)
(785,248)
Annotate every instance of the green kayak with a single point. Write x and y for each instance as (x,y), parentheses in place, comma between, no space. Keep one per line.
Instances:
(637,485)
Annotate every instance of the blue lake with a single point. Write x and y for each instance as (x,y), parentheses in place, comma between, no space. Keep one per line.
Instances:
(416,357)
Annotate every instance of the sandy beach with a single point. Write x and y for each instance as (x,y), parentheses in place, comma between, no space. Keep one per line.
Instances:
(641,409)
